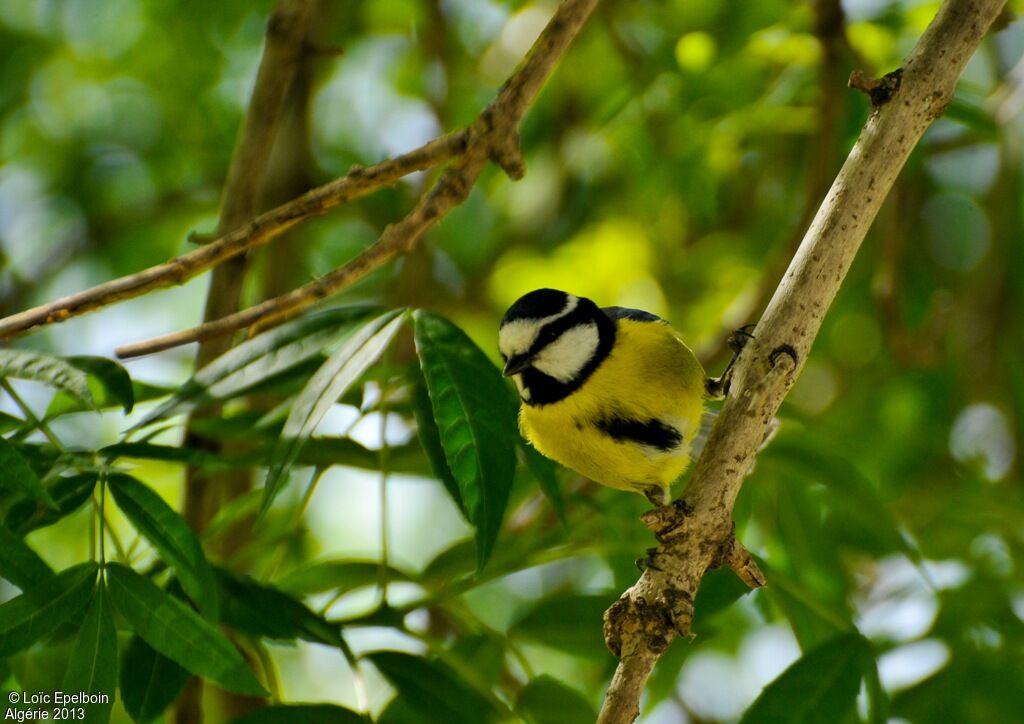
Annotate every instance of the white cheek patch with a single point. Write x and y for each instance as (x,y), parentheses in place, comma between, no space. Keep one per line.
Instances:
(518,336)
(566,357)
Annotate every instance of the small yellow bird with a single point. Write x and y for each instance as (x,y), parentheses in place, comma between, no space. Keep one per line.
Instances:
(612,393)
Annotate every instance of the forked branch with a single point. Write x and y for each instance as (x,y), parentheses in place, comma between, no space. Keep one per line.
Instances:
(697,534)
(494,135)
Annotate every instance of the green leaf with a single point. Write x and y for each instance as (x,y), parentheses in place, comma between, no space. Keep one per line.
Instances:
(18,476)
(719,589)
(430,439)
(303,714)
(254,361)
(569,622)
(51,371)
(819,687)
(177,632)
(149,681)
(341,370)
(10,422)
(93,664)
(543,471)
(105,397)
(19,564)
(69,494)
(41,609)
(341,576)
(115,383)
(475,421)
(546,700)
(162,526)
(261,610)
(194,456)
(431,691)
(855,496)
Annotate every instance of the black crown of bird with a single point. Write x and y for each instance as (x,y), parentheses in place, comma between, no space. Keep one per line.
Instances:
(612,393)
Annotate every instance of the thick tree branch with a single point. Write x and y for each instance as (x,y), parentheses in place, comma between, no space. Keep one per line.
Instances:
(493,136)
(697,534)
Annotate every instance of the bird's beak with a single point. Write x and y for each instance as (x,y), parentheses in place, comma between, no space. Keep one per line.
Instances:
(516,365)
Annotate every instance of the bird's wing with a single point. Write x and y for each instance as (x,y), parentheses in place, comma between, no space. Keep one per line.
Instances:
(637,315)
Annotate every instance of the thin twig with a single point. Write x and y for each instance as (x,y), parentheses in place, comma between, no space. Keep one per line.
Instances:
(698,534)
(356,183)
(494,135)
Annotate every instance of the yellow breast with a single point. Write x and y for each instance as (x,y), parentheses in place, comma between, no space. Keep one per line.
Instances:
(649,376)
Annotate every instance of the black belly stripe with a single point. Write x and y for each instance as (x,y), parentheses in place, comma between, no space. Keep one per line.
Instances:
(654,433)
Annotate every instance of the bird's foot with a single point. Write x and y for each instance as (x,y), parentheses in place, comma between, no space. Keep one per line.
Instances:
(718,387)
(665,519)
(648,561)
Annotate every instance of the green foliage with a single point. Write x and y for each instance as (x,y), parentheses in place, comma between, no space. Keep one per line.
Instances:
(820,687)
(149,680)
(52,371)
(93,664)
(19,564)
(546,700)
(673,161)
(173,629)
(330,382)
(18,476)
(171,536)
(474,421)
(302,714)
(38,611)
(429,692)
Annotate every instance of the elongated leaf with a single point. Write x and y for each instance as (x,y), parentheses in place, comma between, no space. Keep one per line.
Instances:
(335,376)
(41,609)
(569,622)
(107,395)
(261,610)
(303,714)
(431,691)
(254,361)
(430,439)
(149,681)
(546,700)
(193,456)
(162,526)
(114,380)
(93,664)
(177,632)
(10,422)
(819,687)
(16,475)
(19,564)
(475,421)
(342,576)
(856,497)
(69,494)
(52,371)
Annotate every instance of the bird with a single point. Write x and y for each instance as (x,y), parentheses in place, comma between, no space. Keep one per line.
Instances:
(612,393)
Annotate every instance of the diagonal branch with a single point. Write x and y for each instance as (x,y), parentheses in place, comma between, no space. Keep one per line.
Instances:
(697,534)
(494,136)
(260,230)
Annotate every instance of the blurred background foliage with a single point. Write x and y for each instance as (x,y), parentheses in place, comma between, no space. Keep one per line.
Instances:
(673,163)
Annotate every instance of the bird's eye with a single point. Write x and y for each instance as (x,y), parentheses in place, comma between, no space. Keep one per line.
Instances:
(547,335)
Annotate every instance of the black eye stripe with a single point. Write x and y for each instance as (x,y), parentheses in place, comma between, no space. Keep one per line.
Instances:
(553,330)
